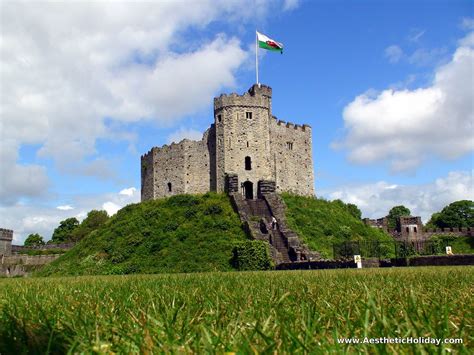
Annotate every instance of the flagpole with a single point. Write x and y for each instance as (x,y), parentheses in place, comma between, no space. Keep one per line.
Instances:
(256,56)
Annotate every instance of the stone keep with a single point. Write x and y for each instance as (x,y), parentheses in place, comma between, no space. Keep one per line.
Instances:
(245,142)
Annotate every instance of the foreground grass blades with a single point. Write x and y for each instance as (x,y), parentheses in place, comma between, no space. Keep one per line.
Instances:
(289,312)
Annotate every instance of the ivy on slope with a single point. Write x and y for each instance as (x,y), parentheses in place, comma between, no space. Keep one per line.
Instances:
(321,223)
(183,233)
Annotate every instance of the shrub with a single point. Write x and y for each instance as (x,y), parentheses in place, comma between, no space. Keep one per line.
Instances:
(252,255)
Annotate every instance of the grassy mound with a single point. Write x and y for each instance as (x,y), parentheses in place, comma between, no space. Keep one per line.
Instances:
(184,233)
(321,223)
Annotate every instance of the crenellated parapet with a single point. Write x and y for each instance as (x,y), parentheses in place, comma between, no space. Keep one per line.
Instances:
(291,125)
(256,97)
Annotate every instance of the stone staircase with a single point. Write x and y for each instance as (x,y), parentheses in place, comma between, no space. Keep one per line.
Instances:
(256,216)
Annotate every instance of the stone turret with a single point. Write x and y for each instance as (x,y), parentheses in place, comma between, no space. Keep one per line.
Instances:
(6,237)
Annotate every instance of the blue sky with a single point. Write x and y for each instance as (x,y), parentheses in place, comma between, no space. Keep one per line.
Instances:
(88,88)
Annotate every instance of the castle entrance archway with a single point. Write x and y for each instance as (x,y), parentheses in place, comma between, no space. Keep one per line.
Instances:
(248,190)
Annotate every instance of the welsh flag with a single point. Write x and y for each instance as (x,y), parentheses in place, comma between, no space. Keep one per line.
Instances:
(268,43)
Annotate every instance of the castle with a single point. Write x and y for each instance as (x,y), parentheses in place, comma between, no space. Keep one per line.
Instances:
(244,147)
(410,228)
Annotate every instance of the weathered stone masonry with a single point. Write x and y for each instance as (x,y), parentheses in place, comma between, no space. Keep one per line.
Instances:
(246,142)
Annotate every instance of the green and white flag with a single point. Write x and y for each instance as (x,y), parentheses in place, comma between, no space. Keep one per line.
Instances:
(268,43)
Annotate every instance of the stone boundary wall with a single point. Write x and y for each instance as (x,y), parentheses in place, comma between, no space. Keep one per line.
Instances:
(434,260)
(22,265)
(23,248)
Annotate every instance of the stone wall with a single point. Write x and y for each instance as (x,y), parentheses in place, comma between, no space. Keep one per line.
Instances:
(292,157)
(22,265)
(6,237)
(147,176)
(411,228)
(177,168)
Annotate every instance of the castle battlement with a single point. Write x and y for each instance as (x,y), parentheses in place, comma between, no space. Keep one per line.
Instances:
(295,126)
(243,140)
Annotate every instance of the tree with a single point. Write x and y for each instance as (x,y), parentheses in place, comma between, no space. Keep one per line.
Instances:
(396,212)
(457,214)
(34,240)
(354,210)
(64,231)
(93,221)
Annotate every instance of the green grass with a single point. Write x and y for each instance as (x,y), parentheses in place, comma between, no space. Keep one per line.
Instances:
(283,312)
(322,223)
(184,233)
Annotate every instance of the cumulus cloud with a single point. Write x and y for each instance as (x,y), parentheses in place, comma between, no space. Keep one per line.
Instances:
(65,208)
(66,67)
(128,192)
(19,179)
(25,219)
(185,133)
(406,126)
(376,199)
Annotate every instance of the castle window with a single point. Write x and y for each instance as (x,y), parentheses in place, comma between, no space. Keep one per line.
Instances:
(408,230)
(169,187)
(247,144)
(248,115)
(219,118)
(415,230)
(289,145)
(248,163)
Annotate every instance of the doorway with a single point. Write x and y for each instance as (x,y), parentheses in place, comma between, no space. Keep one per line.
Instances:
(248,190)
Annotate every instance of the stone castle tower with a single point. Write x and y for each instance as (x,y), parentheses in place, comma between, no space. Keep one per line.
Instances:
(245,146)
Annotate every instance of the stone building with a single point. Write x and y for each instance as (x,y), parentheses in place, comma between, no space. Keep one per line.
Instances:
(245,145)
(6,237)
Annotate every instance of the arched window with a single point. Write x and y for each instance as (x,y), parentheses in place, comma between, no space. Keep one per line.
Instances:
(169,187)
(248,163)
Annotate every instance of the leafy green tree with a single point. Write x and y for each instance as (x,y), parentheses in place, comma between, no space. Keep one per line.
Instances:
(354,210)
(93,221)
(63,233)
(34,240)
(456,214)
(396,212)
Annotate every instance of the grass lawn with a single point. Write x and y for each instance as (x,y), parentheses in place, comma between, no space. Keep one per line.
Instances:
(284,312)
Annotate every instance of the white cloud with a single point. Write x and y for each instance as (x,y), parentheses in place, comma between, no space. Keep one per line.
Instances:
(403,127)
(19,179)
(185,133)
(128,192)
(65,208)
(394,53)
(25,219)
(376,199)
(111,208)
(68,66)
